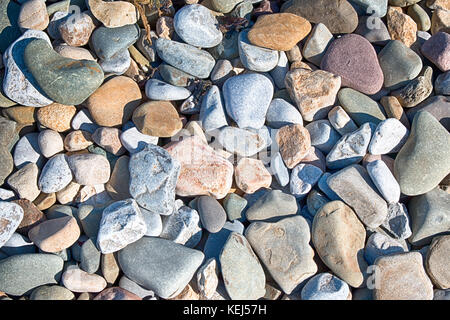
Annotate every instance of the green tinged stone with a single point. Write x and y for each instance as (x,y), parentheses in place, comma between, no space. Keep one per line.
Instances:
(360,107)
(64,80)
(52,293)
(234,206)
(424,160)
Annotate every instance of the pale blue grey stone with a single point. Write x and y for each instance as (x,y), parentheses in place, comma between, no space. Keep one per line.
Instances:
(196,25)
(442,84)
(303,178)
(325,286)
(160,265)
(138,290)
(351,148)
(55,175)
(317,43)
(247,98)
(18,244)
(228,48)
(118,64)
(282,113)
(27,151)
(185,57)
(75,249)
(215,242)
(135,141)
(153,177)
(153,222)
(212,112)
(18,84)
(397,221)
(244,142)
(82,121)
(107,42)
(376,8)
(89,257)
(7,195)
(272,206)
(279,170)
(256,58)
(373,29)
(149,51)
(182,227)
(323,136)
(160,90)
(379,245)
(384,180)
(279,72)
(315,201)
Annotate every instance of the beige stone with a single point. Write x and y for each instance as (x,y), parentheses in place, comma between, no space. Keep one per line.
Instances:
(45,200)
(117,186)
(401,26)
(50,143)
(77,30)
(76,53)
(294,143)
(395,110)
(110,268)
(77,280)
(164,27)
(339,237)
(21,114)
(440,21)
(436,4)
(251,175)
(113,14)
(207,278)
(56,234)
(32,216)
(402,277)
(56,116)
(68,194)
(313,92)
(114,102)
(33,15)
(24,182)
(77,140)
(438,261)
(109,139)
(157,119)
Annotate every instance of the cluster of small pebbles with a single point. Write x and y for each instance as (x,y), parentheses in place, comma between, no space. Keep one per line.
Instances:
(244,149)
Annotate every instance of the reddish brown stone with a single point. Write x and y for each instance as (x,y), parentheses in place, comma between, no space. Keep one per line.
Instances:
(32,216)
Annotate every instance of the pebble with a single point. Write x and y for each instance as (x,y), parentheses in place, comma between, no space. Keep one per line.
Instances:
(90,218)
(6,194)
(136,289)
(394,109)
(294,143)
(134,141)
(159,90)
(442,84)
(303,178)
(55,175)
(56,116)
(126,215)
(47,67)
(322,134)
(281,113)
(350,148)
(314,92)
(157,118)
(389,137)
(234,206)
(19,84)
(339,237)
(114,102)
(187,58)
(288,261)
(440,21)
(379,245)
(228,48)
(325,286)
(224,6)
(68,194)
(244,143)
(279,72)
(82,121)
(153,177)
(76,29)
(247,98)
(373,29)
(165,27)
(11,215)
(401,26)
(212,214)
(360,108)
(20,274)
(251,175)
(168,266)
(77,140)
(436,106)
(174,76)
(354,59)
(437,50)
(7,164)
(353,185)
(429,216)
(109,267)
(402,277)
(183,227)
(256,58)
(315,201)
(248,281)
(437,261)
(45,201)
(50,143)
(341,121)
(273,205)
(426,144)
(52,293)
(107,42)
(89,169)
(420,17)
(32,216)
(197,26)
(417,90)
(279,31)
(279,170)
(153,222)
(77,280)
(24,182)
(399,63)
(339,16)
(203,170)
(207,279)
(212,112)
(317,44)
(90,257)
(397,222)
(113,14)
(118,64)
(33,15)
(108,138)
(76,53)
(117,186)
